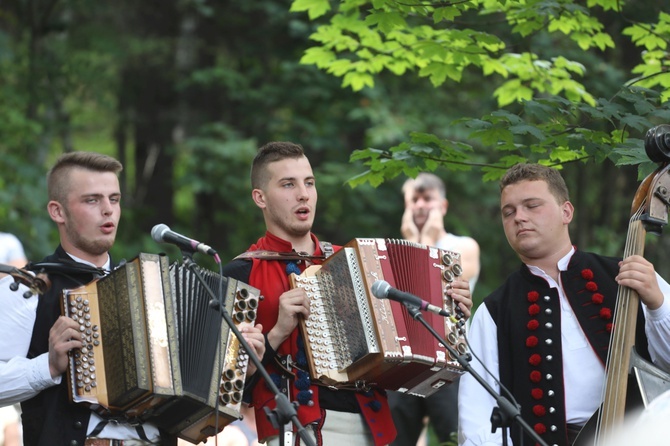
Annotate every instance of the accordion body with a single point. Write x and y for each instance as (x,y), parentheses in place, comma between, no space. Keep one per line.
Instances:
(354,339)
(156,351)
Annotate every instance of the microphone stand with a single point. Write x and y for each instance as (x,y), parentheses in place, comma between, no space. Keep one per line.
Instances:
(505,413)
(284,412)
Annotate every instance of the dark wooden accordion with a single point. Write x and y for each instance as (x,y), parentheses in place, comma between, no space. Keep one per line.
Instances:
(354,339)
(155,350)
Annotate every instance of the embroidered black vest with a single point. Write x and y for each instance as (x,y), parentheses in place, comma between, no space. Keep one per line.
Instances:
(527,315)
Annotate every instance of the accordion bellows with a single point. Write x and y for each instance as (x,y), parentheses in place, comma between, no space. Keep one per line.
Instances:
(353,339)
(156,351)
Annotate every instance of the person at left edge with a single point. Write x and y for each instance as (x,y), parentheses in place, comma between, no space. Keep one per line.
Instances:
(84,202)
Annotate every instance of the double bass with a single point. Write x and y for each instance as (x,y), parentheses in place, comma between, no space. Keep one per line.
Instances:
(648,215)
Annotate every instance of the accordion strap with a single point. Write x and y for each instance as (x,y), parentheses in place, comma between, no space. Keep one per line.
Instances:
(326,248)
(64,266)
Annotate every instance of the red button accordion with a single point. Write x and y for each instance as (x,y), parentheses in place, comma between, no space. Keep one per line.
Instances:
(354,339)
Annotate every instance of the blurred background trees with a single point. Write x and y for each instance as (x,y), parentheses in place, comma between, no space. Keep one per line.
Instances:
(183,92)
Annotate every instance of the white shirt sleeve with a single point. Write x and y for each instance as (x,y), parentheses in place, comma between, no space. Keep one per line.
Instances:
(657,328)
(20,378)
(475,404)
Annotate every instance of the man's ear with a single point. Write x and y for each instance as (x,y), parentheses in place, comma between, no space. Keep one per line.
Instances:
(259,198)
(568,211)
(445,207)
(56,211)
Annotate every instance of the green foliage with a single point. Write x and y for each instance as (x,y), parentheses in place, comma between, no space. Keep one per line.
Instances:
(424,152)
(655,66)
(550,130)
(553,116)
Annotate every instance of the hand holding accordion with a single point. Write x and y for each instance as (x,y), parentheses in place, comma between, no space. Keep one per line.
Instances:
(355,339)
(152,346)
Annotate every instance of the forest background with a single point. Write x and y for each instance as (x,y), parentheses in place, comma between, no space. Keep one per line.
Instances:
(184,92)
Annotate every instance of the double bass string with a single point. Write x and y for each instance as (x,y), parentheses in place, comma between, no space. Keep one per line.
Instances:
(617,359)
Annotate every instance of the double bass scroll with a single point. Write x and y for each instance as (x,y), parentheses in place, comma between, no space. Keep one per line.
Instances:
(37,283)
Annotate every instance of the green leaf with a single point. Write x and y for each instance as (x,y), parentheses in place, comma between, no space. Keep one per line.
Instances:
(319,56)
(525,129)
(637,122)
(446,13)
(386,21)
(512,91)
(314,8)
(358,81)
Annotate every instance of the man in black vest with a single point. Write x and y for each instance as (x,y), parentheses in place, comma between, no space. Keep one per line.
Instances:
(84,202)
(545,332)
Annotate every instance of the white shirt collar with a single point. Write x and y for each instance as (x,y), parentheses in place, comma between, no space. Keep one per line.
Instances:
(107,266)
(562,265)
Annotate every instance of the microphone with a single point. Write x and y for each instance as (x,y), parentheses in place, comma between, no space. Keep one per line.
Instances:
(381,289)
(162,234)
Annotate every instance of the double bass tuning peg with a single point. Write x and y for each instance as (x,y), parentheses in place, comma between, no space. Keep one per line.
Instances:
(15,286)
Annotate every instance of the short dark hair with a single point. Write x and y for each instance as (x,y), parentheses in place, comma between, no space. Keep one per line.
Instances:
(57,178)
(269,153)
(426,181)
(537,172)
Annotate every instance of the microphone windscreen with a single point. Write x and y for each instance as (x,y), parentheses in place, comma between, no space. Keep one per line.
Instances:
(158,231)
(380,289)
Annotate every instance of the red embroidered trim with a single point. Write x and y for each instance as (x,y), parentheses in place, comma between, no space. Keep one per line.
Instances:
(597,298)
(539,410)
(535,376)
(535,359)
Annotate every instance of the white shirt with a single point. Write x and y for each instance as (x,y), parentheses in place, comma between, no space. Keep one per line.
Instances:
(581,366)
(22,378)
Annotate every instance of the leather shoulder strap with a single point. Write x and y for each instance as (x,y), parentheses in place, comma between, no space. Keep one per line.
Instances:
(272,255)
(326,248)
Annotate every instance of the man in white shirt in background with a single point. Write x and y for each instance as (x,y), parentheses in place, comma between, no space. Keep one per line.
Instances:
(426,207)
